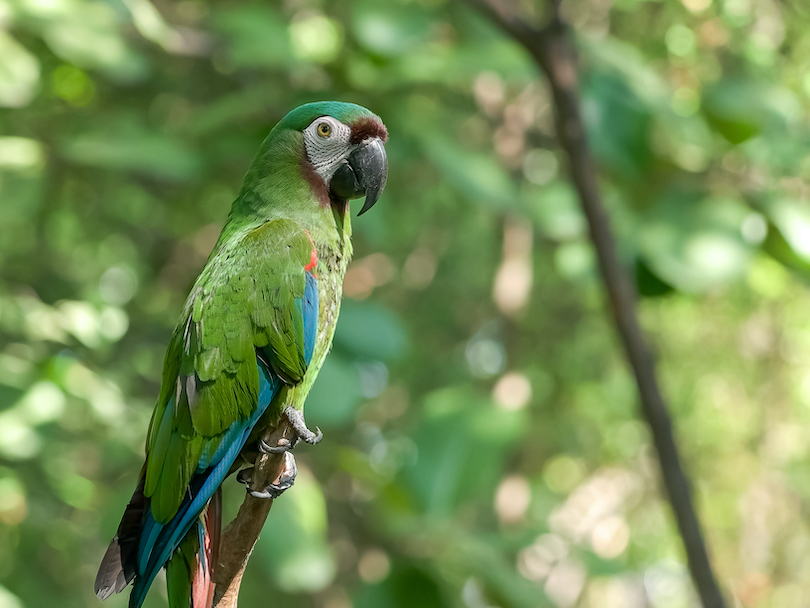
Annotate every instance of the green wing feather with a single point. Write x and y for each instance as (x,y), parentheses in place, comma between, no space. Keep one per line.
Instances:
(244,300)
(180,571)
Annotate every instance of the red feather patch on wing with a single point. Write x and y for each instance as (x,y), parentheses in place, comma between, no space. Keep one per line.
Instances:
(313,257)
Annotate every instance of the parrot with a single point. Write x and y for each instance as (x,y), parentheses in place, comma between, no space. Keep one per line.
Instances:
(252,336)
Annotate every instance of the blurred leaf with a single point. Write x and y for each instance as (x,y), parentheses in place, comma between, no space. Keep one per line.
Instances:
(18,441)
(648,284)
(87,34)
(257,36)
(293,543)
(19,73)
(335,395)
(316,37)
(21,153)
(133,149)
(462,442)
(370,331)
(556,208)
(8,599)
(694,244)
(792,218)
(231,108)
(618,123)
(780,249)
(478,175)
(735,108)
(407,586)
(392,28)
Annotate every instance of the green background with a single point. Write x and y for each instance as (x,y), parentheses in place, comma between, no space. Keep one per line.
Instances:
(482,441)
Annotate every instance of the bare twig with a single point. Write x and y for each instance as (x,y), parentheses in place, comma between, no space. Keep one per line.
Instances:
(552,50)
(242,533)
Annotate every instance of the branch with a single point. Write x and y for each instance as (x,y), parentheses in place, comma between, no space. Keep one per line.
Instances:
(552,50)
(242,533)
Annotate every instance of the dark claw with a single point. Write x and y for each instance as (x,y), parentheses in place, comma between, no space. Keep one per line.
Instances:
(296,419)
(283,445)
(245,476)
(284,482)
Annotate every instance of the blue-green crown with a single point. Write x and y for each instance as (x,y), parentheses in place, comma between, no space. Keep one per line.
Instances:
(300,118)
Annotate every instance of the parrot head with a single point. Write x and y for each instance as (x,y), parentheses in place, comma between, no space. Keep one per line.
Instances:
(344,150)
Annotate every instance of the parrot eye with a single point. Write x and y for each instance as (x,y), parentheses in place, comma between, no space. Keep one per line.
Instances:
(324,129)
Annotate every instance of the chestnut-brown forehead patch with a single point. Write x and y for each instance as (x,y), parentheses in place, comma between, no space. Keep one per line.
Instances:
(368,126)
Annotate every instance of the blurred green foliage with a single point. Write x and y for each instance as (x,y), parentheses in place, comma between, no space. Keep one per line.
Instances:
(482,440)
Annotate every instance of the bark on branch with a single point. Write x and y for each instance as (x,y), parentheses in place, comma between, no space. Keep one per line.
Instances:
(552,50)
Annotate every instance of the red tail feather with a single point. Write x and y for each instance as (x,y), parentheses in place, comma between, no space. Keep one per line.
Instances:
(202,585)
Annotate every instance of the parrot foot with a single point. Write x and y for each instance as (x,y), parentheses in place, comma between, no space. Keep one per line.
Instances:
(296,419)
(283,482)
(302,433)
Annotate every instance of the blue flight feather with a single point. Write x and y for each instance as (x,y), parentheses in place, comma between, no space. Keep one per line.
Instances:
(203,553)
(310,314)
(159,541)
(211,457)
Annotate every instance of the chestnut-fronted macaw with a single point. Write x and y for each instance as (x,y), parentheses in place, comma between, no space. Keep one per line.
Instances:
(250,341)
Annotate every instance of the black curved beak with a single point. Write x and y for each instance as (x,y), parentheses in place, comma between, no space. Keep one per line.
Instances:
(363,173)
